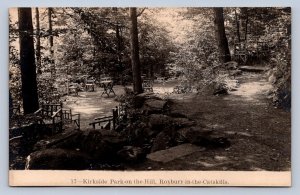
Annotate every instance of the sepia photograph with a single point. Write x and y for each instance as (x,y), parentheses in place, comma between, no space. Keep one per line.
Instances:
(169,94)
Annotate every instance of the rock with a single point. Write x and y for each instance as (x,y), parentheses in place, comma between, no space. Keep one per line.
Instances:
(57,159)
(141,125)
(182,122)
(138,100)
(162,141)
(177,109)
(101,145)
(194,135)
(66,140)
(154,106)
(159,121)
(173,153)
(202,137)
(236,72)
(221,158)
(148,132)
(131,154)
(238,133)
(177,115)
(220,89)
(214,88)
(30,130)
(231,65)
(219,142)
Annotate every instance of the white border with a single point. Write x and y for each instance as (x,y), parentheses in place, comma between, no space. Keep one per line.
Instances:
(149,178)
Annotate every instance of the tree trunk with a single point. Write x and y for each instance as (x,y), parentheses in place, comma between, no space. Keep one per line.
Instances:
(237,26)
(118,36)
(221,36)
(27,61)
(151,71)
(38,41)
(50,10)
(135,59)
(246,23)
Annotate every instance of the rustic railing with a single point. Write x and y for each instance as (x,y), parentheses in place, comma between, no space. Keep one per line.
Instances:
(71,118)
(111,122)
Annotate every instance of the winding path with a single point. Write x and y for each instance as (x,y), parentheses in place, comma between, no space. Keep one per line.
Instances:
(260,134)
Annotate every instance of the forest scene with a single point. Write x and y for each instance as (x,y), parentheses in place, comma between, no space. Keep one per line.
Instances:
(131,88)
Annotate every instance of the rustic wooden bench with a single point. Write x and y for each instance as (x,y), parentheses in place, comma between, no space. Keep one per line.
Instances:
(51,114)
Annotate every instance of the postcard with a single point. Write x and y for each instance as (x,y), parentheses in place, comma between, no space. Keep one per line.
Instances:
(139,96)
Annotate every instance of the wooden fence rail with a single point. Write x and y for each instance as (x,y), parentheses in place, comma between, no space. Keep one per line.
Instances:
(111,122)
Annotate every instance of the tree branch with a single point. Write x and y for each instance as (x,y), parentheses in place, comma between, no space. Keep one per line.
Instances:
(139,14)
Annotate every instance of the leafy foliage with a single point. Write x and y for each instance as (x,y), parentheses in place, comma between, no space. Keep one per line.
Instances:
(90,42)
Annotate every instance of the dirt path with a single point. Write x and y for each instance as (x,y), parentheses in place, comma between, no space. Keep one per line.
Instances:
(91,105)
(258,132)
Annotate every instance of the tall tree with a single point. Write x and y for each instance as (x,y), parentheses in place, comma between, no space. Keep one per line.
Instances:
(50,11)
(245,11)
(27,61)
(38,40)
(135,59)
(237,22)
(220,35)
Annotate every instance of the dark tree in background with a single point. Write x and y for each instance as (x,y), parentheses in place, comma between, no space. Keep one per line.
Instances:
(221,36)
(237,22)
(27,61)
(50,11)
(135,59)
(38,40)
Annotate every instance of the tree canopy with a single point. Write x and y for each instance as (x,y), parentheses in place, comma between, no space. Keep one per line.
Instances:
(90,42)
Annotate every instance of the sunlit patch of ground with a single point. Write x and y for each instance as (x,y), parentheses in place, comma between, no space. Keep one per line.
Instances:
(165,87)
(91,105)
(252,90)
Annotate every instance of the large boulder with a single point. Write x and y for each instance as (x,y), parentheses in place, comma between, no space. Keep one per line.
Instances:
(214,88)
(138,100)
(182,122)
(159,121)
(73,148)
(194,135)
(202,137)
(101,145)
(173,153)
(131,154)
(162,141)
(65,140)
(177,109)
(57,159)
(154,106)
